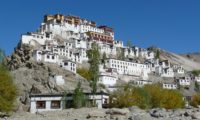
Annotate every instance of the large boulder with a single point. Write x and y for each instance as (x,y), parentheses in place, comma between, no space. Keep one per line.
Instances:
(116,111)
(159,112)
(196,115)
(96,114)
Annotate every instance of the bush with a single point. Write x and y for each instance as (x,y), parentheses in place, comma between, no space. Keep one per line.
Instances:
(130,96)
(196,72)
(78,97)
(84,73)
(8,90)
(149,96)
(195,100)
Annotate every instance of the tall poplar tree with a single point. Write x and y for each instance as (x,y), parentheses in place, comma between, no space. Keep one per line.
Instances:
(94,60)
(2,55)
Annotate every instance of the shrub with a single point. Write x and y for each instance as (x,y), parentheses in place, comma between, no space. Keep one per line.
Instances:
(78,97)
(8,90)
(84,73)
(195,100)
(149,96)
(196,72)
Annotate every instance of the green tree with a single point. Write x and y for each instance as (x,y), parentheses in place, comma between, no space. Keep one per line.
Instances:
(2,55)
(195,100)
(8,90)
(84,73)
(196,72)
(104,57)
(149,96)
(157,54)
(129,43)
(78,97)
(94,60)
(120,53)
(197,87)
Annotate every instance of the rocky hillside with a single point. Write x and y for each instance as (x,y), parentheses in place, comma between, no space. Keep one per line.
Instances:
(187,63)
(33,77)
(192,56)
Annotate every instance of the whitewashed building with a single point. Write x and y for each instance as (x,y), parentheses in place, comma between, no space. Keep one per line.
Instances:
(167,72)
(124,67)
(36,38)
(108,79)
(178,69)
(184,81)
(68,65)
(58,79)
(53,102)
(45,56)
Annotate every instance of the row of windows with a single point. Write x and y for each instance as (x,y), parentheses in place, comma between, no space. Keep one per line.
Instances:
(89,28)
(184,81)
(50,57)
(66,64)
(109,78)
(42,104)
(169,85)
(127,63)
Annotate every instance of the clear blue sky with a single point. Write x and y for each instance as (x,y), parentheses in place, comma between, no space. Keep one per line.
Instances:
(173,25)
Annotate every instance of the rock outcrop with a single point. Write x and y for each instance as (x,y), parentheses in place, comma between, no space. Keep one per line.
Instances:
(133,113)
(34,77)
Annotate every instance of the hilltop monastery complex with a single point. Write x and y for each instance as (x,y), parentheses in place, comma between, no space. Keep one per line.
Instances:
(64,40)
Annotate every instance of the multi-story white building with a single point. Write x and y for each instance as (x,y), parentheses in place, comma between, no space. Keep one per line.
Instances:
(129,68)
(68,65)
(167,72)
(107,79)
(184,81)
(178,69)
(45,56)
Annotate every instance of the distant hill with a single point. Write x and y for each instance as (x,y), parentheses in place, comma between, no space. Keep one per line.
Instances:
(192,56)
(189,63)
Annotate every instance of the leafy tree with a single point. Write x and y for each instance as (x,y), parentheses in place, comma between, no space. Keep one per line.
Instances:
(197,87)
(196,72)
(195,100)
(84,73)
(8,90)
(78,97)
(164,98)
(120,53)
(129,43)
(104,57)
(94,60)
(2,55)
(157,54)
(129,96)
(149,96)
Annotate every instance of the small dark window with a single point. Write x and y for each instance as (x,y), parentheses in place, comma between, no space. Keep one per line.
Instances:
(40,104)
(66,63)
(55,104)
(48,56)
(53,57)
